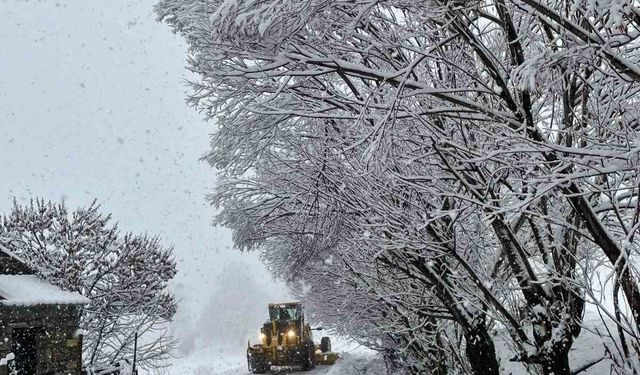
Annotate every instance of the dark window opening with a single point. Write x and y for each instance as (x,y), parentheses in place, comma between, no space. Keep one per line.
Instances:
(25,348)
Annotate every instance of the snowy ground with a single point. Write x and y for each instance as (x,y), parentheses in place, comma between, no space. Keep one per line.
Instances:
(360,361)
(232,361)
(587,348)
(349,363)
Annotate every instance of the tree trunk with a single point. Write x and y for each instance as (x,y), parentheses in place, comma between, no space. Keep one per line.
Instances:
(481,352)
(611,249)
(557,365)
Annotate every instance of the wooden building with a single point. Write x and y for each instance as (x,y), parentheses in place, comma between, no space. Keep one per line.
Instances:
(39,322)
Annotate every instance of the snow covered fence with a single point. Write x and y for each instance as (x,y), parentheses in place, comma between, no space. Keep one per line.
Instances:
(120,368)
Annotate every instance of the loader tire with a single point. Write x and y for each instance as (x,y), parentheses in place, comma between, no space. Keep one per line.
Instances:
(310,359)
(325,344)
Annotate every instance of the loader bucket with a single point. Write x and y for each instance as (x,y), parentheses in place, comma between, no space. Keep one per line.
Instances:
(328,358)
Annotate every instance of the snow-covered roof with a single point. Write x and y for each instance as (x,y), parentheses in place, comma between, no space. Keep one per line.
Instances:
(30,290)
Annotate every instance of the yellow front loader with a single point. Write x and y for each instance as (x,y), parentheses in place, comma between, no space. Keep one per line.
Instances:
(286,341)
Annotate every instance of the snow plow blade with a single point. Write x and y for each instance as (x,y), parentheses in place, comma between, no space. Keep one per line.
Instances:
(328,358)
(258,360)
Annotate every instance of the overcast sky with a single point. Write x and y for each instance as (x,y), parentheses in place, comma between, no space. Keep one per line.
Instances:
(92,106)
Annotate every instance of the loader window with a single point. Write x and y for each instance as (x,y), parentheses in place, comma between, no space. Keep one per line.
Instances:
(284,312)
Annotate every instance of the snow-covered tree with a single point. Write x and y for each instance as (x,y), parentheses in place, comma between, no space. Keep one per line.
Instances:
(451,172)
(124,275)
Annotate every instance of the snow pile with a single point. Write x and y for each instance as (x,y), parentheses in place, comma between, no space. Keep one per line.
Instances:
(30,290)
(5,360)
(355,364)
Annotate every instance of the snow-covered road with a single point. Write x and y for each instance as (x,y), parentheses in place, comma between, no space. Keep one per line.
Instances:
(347,365)
(211,361)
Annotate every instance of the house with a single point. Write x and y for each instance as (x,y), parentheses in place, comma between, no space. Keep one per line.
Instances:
(39,322)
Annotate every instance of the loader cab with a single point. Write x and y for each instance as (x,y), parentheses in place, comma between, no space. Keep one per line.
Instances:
(285,325)
(285,311)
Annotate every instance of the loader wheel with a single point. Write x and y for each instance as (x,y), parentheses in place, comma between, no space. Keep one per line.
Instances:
(309,362)
(257,364)
(325,344)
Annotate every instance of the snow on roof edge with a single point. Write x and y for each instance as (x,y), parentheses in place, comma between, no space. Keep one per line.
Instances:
(30,290)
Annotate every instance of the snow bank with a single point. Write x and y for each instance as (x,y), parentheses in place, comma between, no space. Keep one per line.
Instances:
(30,290)
(355,364)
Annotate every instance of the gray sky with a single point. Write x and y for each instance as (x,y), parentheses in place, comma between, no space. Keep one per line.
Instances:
(92,106)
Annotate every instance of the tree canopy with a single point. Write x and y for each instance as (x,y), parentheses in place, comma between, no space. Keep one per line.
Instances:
(432,175)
